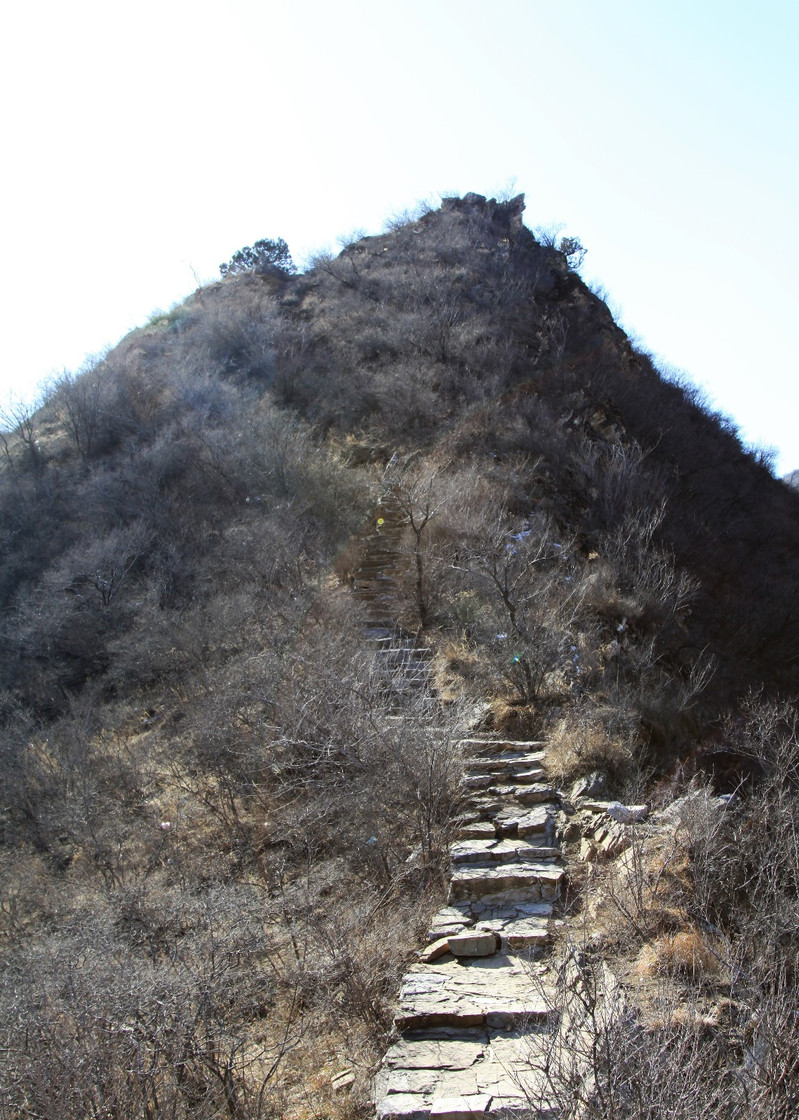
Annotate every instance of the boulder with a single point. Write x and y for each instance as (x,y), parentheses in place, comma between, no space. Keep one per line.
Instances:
(594,784)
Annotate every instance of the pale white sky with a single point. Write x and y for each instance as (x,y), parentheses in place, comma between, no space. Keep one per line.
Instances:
(143,144)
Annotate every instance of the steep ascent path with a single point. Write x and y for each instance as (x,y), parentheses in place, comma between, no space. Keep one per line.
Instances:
(472,1009)
(376,585)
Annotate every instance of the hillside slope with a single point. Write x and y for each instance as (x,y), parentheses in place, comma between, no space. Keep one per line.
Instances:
(228,809)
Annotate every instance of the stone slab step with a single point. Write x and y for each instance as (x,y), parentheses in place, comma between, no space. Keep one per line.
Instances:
(525,822)
(487,851)
(518,934)
(501,1066)
(423,1077)
(469,912)
(407,668)
(531,881)
(477,830)
(533,794)
(450,919)
(490,992)
(417,658)
(413,1106)
(478,781)
(506,762)
(487,746)
(488,805)
(507,908)
(490,780)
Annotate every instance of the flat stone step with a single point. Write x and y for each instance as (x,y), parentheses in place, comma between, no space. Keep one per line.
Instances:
(518,935)
(483,747)
(531,881)
(471,912)
(393,660)
(490,780)
(460,1078)
(478,781)
(525,822)
(506,762)
(450,919)
(494,992)
(477,830)
(488,851)
(533,794)
(510,908)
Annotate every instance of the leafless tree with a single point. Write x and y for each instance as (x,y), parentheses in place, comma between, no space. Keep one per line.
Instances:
(19,418)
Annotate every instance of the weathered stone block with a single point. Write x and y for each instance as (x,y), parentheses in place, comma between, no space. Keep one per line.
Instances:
(434,950)
(477,944)
(460,1108)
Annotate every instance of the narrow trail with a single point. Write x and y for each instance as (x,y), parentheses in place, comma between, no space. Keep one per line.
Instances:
(405,660)
(471,1010)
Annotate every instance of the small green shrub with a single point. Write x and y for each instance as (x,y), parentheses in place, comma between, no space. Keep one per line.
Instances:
(261,257)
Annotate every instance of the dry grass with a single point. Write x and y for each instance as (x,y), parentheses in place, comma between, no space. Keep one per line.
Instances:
(456,668)
(689,953)
(584,740)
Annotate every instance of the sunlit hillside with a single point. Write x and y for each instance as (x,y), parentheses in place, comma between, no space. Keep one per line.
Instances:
(267,563)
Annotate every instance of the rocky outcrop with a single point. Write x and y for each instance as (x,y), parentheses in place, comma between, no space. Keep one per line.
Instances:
(506,214)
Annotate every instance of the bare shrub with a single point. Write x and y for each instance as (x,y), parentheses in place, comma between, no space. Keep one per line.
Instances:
(526,609)
(601,1060)
(81,401)
(374,764)
(197,1030)
(750,852)
(19,420)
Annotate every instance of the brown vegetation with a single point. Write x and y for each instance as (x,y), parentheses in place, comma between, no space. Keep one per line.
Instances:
(225,817)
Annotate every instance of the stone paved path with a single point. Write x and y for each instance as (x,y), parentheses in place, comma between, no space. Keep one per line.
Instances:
(471,1012)
(403,660)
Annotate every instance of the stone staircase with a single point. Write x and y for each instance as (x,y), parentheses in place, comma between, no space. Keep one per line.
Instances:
(374,581)
(404,661)
(472,1010)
